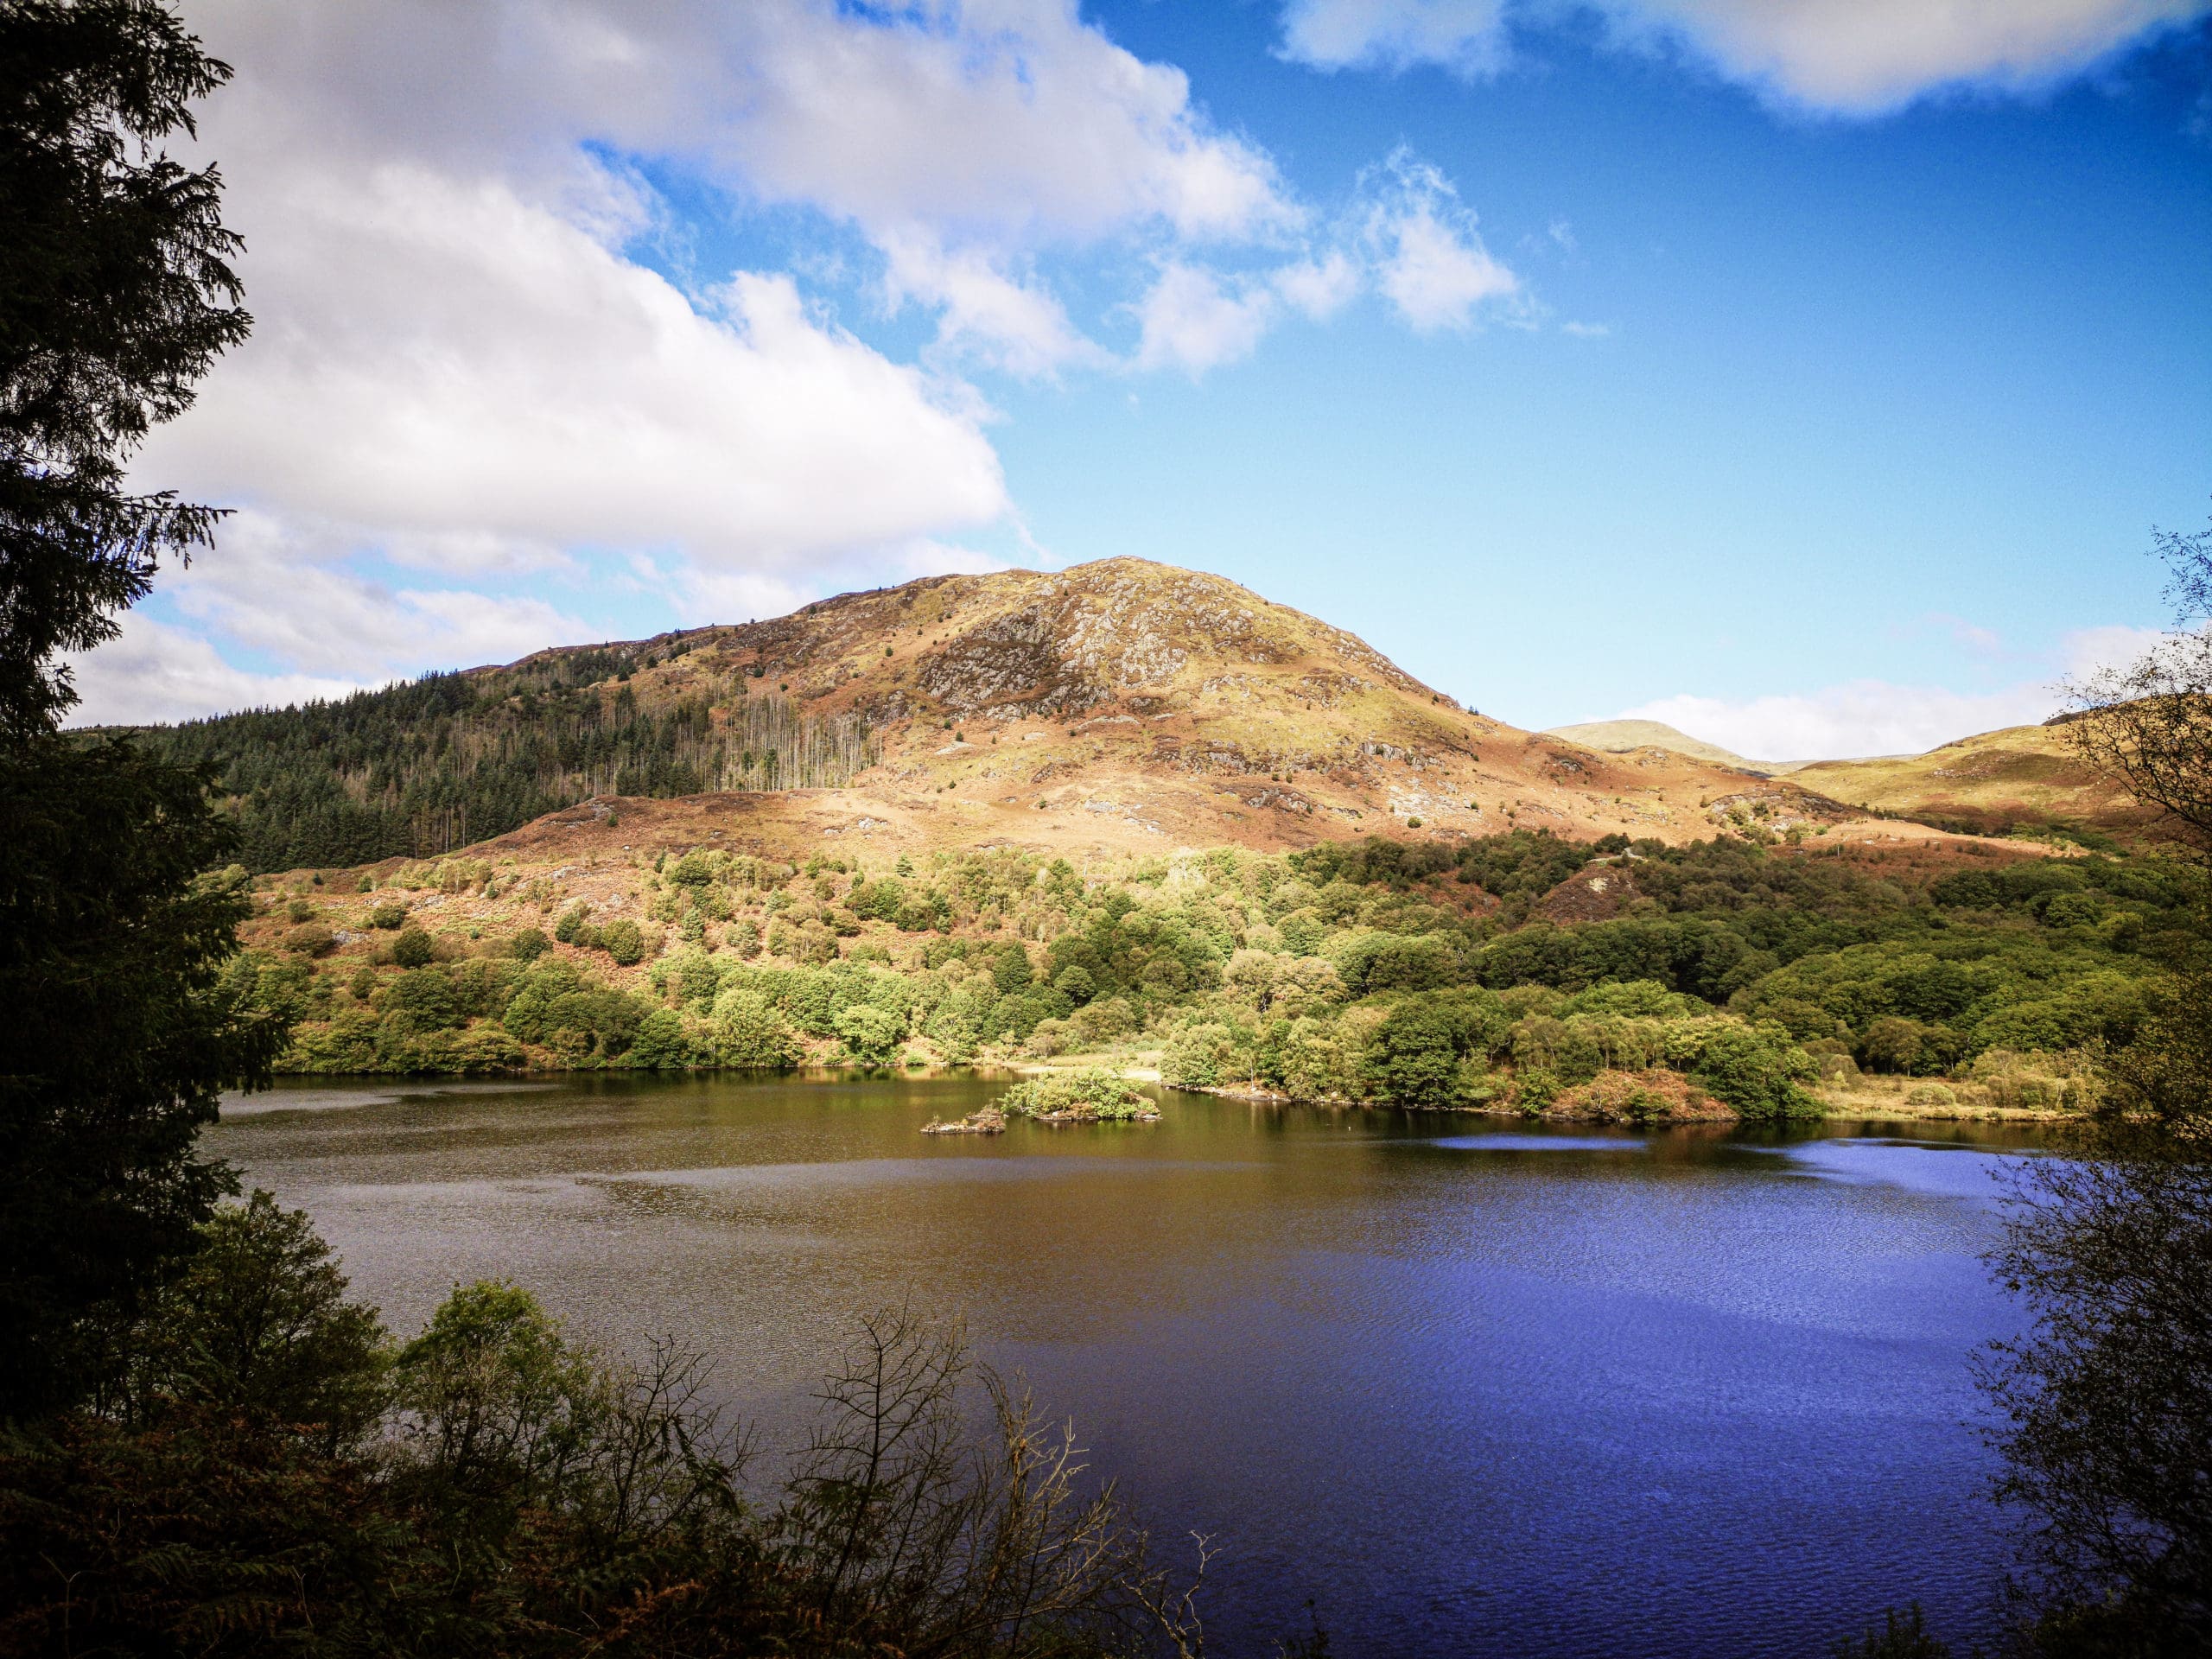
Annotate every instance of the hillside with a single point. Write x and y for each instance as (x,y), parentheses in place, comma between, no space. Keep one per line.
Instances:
(1121,705)
(1626,736)
(2024,778)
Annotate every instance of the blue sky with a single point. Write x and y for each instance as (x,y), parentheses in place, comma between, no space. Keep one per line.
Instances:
(1809,372)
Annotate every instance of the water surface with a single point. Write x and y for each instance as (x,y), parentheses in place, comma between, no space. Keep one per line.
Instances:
(1471,1388)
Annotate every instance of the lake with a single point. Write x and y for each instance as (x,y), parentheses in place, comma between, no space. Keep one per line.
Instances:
(1469,1388)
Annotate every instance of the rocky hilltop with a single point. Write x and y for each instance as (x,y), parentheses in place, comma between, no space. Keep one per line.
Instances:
(1125,705)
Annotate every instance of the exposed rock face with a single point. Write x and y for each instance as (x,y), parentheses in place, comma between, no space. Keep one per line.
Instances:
(1134,704)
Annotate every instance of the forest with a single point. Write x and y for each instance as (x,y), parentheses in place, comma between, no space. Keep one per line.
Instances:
(1738,980)
(421,768)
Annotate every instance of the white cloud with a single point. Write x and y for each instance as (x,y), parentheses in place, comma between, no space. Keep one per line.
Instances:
(1866,717)
(154,673)
(1863,57)
(1191,321)
(1319,288)
(447,364)
(1858,57)
(1430,261)
(1016,325)
(1466,36)
(2114,647)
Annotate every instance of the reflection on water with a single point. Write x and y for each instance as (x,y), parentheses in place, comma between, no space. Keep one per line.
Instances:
(1473,1391)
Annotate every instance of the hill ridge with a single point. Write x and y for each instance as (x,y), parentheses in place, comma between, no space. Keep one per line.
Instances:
(1117,703)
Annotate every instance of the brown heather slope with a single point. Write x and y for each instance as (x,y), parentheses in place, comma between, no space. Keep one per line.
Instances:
(2024,778)
(1125,706)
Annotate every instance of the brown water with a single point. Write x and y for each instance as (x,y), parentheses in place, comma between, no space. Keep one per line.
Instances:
(1471,1389)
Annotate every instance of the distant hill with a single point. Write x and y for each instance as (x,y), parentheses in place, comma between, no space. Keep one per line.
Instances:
(1625,736)
(1121,704)
(2022,777)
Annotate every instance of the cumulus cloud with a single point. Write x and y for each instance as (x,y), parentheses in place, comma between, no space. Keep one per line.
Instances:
(484,351)
(154,673)
(448,365)
(1467,36)
(1193,321)
(1428,260)
(1856,57)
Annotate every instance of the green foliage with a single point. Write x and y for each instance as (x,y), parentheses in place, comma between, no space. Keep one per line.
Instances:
(750,1031)
(391,916)
(1096,1094)
(257,1322)
(1413,1057)
(871,1035)
(623,942)
(118,295)
(1201,1056)
(413,948)
(1756,1069)
(121,1028)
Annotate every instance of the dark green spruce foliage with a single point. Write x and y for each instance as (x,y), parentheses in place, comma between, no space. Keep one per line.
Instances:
(121,1028)
(116,295)
(419,769)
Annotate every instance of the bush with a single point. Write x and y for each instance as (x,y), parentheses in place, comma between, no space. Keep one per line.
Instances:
(1095,1095)
(313,940)
(389,916)
(623,941)
(413,948)
(1755,1069)
(571,920)
(528,945)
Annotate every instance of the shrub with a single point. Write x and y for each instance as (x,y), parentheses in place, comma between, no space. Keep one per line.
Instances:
(313,940)
(389,916)
(623,941)
(413,948)
(571,920)
(1094,1095)
(299,910)
(1755,1069)
(420,1000)
(528,945)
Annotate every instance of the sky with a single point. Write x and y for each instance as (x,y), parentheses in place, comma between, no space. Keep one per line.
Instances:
(1810,374)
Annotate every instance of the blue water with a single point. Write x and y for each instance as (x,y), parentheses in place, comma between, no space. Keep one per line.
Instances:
(1469,1391)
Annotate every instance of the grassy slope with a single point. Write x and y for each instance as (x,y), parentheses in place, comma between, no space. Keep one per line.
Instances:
(2021,778)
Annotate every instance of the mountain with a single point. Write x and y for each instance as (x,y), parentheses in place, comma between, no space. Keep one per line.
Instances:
(2025,778)
(1116,705)
(1626,736)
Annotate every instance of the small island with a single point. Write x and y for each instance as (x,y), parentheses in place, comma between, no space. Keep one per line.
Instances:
(1094,1095)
